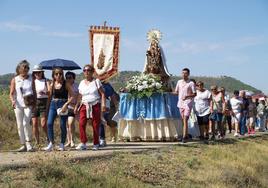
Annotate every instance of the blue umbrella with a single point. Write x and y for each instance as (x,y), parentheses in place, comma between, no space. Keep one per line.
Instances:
(61,63)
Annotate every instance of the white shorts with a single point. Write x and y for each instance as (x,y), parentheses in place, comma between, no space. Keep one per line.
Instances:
(236,118)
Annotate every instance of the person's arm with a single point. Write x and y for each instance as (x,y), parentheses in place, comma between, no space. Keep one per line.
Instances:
(49,94)
(78,104)
(191,95)
(70,98)
(12,93)
(223,103)
(103,99)
(211,105)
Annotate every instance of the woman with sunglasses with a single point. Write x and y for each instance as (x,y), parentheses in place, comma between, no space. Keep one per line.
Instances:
(59,91)
(21,87)
(91,101)
(202,109)
(41,89)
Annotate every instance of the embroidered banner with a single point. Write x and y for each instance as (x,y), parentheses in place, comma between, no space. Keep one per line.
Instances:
(104,49)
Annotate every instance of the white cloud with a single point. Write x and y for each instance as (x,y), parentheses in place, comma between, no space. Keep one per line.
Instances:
(20,27)
(194,47)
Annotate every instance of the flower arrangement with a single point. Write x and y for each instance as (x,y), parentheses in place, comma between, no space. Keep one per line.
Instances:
(144,85)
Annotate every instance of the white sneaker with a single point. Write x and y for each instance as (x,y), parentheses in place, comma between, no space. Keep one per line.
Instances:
(29,147)
(81,146)
(95,147)
(236,135)
(61,147)
(72,144)
(21,149)
(49,147)
(102,143)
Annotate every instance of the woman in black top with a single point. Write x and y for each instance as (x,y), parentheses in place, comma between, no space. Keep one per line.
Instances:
(58,96)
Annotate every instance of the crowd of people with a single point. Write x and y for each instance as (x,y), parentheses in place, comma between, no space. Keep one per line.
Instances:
(216,112)
(33,97)
(36,98)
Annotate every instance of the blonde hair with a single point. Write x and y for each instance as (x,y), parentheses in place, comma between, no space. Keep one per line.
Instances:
(23,63)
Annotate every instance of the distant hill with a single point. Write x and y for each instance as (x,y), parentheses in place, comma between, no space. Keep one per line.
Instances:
(121,79)
(229,83)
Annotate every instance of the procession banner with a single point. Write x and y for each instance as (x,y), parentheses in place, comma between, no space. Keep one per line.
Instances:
(104,49)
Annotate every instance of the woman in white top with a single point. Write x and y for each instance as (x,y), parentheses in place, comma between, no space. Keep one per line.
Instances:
(41,107)
(202,108)
(236,105)
(91,101)
(21,95)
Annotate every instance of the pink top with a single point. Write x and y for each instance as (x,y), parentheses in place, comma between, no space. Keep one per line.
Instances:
(184,88)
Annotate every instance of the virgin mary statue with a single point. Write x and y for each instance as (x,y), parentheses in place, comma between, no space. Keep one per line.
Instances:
(155,62)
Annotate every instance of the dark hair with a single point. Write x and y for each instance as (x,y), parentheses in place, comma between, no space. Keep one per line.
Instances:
(91,68)
(236,92)
(187,70)
(43,75)
(200,83)
(193,80)
(69,73)
(54,71)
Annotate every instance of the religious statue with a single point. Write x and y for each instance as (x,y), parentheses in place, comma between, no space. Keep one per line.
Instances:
(101,60)
(155,60)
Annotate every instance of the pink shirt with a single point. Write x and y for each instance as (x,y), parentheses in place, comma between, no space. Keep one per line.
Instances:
(185,88)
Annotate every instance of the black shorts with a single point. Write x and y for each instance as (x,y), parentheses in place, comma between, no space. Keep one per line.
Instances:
(40,108)
(203,120)
(71,113)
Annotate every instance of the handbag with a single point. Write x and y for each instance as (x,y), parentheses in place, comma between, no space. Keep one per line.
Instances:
(60,113)
(213,116)
(29,100)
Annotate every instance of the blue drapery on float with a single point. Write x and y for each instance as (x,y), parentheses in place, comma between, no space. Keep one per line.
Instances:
(158,106)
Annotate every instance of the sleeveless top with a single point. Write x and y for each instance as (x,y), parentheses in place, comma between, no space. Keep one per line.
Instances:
(41,88)
(61,93)
(217,103)
(23,88)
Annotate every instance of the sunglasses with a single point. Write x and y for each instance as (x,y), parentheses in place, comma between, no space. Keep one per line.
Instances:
(58,74)
(87,70)
(69,77)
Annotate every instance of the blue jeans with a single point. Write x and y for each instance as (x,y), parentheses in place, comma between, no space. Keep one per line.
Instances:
(243,127)
(102,129)
(52,114)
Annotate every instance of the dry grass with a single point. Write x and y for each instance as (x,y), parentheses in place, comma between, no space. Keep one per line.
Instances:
(229,163)
(233,163)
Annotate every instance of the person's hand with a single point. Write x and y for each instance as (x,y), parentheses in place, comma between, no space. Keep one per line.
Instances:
(14,104)
(64,108)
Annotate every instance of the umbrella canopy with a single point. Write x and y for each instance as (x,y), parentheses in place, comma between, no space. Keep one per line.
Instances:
(61,63)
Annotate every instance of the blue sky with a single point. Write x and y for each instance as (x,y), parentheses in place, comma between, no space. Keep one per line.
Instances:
(211,37)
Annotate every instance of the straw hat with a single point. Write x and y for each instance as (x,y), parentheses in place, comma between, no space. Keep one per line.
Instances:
(37,68)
